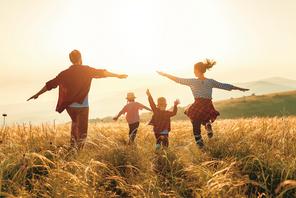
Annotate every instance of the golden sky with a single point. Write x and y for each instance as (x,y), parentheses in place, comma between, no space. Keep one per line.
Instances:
(250,40)
(137,36)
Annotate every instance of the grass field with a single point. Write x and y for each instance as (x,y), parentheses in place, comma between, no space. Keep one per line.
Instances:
(246,158)
(277,104)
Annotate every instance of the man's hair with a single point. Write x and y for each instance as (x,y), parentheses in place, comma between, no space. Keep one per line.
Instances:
(75,56)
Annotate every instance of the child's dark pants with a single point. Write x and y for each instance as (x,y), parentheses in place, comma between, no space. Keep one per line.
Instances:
(162,139)
(133,129)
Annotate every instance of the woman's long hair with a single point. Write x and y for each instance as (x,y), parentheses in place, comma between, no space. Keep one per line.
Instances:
(204,66)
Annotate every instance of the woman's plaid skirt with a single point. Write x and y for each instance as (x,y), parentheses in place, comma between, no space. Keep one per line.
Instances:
(202,109)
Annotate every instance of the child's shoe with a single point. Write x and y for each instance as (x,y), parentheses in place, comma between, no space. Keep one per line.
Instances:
(209,130)
(157,146)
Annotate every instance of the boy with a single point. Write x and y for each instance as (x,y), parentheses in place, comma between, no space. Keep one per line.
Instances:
(161,121)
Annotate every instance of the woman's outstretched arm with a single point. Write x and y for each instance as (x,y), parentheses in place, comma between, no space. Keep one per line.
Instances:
(226,86)
(240,89)
(183,81)
(171,77)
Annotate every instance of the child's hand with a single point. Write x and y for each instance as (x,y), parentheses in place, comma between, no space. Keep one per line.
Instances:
(148,92)
(115,118)
(177,102)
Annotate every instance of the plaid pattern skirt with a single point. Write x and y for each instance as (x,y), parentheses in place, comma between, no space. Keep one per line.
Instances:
(202,109)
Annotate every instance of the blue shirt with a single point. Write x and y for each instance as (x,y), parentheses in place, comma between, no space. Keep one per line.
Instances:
(78,105)
(164,132)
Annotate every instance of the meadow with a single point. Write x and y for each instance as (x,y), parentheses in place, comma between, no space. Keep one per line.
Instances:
(251,157)
(267,105)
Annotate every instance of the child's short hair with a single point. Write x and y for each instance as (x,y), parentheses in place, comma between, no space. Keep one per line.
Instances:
(161,101)
(204,66)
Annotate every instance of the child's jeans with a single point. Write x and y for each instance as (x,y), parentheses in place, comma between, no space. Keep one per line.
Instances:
(133,129)
(162,138)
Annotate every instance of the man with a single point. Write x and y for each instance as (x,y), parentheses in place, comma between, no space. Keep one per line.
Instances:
(74,84)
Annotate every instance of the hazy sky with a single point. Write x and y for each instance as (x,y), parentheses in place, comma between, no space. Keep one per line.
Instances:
(256,38)
(250,39)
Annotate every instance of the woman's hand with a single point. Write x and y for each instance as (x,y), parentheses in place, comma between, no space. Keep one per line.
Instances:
(115,118)
(240,89)
(243,89)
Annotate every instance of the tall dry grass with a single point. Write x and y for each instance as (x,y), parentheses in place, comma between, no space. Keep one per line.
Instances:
(246,158)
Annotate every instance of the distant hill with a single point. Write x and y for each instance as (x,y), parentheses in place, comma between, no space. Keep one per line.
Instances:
(276,104)
(282,81)
(270,85)
(102,104)
(263,86)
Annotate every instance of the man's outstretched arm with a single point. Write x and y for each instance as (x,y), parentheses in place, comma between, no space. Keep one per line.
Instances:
(110,74)
(44,89)
(103,73)
(48,86)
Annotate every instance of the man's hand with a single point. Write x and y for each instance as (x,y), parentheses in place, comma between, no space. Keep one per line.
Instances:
(177,102)
(161,73)
(148,92)
(44,89)
(115,118)
(33,97)
(121,76)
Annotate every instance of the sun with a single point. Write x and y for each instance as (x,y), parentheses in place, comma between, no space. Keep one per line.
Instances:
(138,37)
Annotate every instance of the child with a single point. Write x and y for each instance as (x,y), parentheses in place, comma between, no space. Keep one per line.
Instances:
(161,119)
(202,111)
(132,115)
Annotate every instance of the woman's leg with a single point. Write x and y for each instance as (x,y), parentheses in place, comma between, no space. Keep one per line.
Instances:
(208,127)
(196,124)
